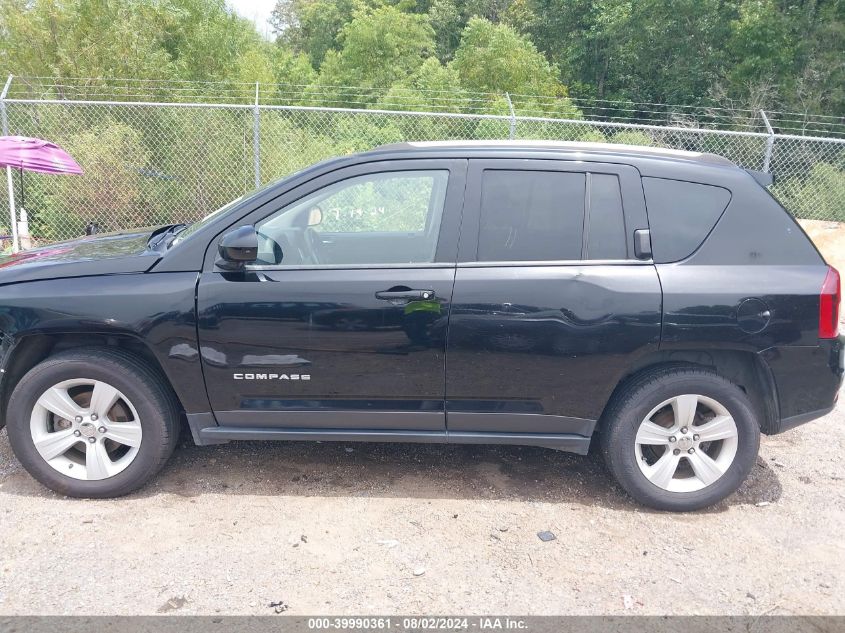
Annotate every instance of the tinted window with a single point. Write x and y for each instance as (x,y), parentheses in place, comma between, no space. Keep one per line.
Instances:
(680,215)
(397,202)
(605,220)
(531,215)
(383,218)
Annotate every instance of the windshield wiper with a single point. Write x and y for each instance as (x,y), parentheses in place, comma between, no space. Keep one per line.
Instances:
(173,234)
(161,235)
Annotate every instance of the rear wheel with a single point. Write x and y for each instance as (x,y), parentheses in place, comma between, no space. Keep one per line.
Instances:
(92,423)
(680,439)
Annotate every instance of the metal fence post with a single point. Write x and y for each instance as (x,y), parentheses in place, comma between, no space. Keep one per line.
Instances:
(512,133)
(256,140)
(770,143)
(9,181)
(3,115)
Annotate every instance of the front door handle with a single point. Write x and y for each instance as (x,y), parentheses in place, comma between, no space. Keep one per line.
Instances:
(405,296)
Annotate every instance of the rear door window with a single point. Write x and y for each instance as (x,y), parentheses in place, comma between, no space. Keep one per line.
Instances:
(531,215)
(681,215)
(535,215)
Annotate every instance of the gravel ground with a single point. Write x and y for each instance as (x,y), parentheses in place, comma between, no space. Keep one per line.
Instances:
(310,528)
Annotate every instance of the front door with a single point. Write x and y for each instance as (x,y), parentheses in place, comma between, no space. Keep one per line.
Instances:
(341,323)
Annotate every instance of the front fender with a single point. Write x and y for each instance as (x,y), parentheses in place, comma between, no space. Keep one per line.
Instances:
(156,310)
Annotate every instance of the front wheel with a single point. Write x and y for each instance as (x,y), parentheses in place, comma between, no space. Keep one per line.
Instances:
(92,423)
(680,438)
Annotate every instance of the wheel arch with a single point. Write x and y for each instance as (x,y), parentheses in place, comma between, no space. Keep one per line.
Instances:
(32,348)
(744,368)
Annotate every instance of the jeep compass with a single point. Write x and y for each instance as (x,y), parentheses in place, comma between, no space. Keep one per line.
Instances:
(657,305)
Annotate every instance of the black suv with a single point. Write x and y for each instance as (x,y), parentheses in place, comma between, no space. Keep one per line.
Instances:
(657,303)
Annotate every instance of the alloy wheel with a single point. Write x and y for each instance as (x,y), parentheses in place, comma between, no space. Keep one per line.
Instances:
(86,429)
(686,443)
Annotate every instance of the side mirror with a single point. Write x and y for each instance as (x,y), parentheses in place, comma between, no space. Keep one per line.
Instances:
(237,248)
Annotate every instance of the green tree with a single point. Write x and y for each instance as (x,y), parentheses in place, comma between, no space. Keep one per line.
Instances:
(205,39)
(82,38)
(760,43)
(494,58)
(632,137)
(493,10)
(432,86)
(111,191)
(447,21)
(792,52)
(642,50)
(292,68)
(254,65)
(142,39)
(312,26)
(818,196)
(821,79)
(380,47)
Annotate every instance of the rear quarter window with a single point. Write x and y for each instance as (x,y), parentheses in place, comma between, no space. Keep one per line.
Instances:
(681,215)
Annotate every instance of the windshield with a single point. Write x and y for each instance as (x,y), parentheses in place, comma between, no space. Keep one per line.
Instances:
(196,226)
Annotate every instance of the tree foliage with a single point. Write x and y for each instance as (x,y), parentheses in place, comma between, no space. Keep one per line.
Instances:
(312,26)
(781,55)
(379,48)
(688,51)
(495,58)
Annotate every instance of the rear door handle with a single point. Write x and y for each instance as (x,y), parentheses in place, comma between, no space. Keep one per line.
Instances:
(404,296)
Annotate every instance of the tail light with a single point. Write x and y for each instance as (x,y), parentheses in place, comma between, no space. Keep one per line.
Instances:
(829,305)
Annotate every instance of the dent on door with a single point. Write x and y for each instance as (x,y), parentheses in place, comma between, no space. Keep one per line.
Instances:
(539,349)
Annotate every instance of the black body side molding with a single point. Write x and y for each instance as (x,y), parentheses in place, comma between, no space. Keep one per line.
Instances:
(564,442)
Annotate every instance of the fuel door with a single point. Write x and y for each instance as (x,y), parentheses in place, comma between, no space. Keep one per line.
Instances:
(753,315)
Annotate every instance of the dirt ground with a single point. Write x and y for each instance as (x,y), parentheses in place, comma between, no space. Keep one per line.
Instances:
(310,528)
(380,528)
(829,237)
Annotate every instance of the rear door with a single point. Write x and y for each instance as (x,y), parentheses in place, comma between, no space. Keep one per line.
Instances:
(342,321)
(550,305)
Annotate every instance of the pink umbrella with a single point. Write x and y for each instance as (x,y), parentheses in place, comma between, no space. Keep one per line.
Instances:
(33,154)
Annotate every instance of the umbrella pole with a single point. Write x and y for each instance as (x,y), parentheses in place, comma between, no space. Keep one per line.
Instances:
(20,173)
(12,213)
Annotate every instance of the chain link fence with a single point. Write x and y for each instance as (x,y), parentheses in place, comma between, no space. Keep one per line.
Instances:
(150,163)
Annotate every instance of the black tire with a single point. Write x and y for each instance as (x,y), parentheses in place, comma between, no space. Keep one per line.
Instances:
(635,400)
(154,401)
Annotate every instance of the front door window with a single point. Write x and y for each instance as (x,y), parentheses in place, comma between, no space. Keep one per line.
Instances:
(383,218)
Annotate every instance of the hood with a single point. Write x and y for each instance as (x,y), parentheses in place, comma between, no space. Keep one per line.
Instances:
(101,254)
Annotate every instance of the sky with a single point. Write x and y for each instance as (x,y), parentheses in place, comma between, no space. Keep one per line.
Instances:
(256,10)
